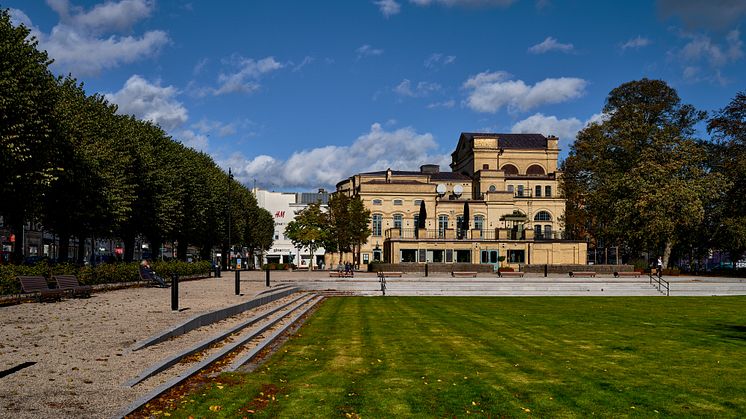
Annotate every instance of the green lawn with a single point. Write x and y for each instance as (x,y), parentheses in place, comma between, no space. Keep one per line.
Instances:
(513,357)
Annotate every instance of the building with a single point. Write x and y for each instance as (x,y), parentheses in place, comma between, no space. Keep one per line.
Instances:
(284,206)
(508,185)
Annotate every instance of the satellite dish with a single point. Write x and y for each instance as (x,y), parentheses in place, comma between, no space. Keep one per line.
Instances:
(441,189)
(458,190)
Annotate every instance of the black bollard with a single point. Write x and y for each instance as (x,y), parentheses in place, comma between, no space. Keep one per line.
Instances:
(266,277)
(425,269)
(220,271)
(545,270)
(238,282)
(174,292)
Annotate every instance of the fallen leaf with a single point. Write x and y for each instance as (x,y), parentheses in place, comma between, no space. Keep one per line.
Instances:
(215,408)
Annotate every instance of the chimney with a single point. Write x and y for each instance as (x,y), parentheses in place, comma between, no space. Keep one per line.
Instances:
(430,168)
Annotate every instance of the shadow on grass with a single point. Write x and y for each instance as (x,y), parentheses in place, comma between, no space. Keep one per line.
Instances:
(731,331)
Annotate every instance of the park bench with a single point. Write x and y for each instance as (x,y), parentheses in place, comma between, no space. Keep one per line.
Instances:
(510,274)
(392,274)
(341,274)
(38,285)
(583,273)
(627,274)
(464,274)
(70,284)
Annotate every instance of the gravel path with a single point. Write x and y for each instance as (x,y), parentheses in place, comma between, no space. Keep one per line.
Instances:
(80,347)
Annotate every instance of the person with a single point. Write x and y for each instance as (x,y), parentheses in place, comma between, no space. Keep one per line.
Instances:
(147,273)
(659,266)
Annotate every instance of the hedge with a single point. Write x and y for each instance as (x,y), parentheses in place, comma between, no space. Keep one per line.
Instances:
(106,273)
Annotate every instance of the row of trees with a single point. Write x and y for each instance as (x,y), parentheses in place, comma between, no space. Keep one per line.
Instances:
(69,161)
(641,179)
(344,228)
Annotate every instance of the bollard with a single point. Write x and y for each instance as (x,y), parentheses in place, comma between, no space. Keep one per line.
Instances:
(238,282)
(220,271)
(174,292)
(425,269)
(545,270)
(266,277)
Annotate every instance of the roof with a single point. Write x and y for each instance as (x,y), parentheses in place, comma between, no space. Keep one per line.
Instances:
(449,176)
(512,141)
(433,176)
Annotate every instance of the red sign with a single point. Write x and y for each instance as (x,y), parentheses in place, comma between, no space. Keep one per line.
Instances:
(12,238)
(280,214)
(119,250)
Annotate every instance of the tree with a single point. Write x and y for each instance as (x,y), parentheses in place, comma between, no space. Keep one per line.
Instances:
(638,178)
(309,229)
(340,234)
(359,226)
(260,231)
(728,127)
(27,99)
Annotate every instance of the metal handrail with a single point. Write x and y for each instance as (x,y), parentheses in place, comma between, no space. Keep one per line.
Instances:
(661,283)
(382,280)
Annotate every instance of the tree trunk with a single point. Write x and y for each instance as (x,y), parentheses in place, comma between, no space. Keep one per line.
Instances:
(205,252)
(182,249)
(129,247)
(64,249)
(667,253)
(80,257)
(224,258)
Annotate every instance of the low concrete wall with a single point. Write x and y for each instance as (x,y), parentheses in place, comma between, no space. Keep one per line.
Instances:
(563,269)
(431,267)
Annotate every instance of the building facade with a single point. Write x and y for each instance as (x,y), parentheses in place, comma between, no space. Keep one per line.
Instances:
(500,205)
(284,206)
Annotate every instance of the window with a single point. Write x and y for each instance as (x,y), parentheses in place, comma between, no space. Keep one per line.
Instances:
(493,188)
(398,202)
(509,169)
(377,221)
(516,256)
(519,191)
(417,202)
(537,231)
(542,216)
(535,170)
(377,202)
(547,190)
(547,231)
(442,225)
(459,221)
(486,166)
(538,190)
(510,188)
(479,222)
(397,221)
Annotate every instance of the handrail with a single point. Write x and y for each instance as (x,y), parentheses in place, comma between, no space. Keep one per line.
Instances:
(382,280)
(662,283)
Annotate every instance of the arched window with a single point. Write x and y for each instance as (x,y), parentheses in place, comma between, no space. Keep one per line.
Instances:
(479,222)
(398,202)
(398,221)
(509,169)
(542,216)
(442,225)
(377,202)
(377,223)
(535,170)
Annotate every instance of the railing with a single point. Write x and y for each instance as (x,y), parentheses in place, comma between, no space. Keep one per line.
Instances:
(658,282)
(382,280)
(552,235)
(448,234)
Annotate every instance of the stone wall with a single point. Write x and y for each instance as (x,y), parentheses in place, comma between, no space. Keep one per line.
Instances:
(431,267)
(563,269)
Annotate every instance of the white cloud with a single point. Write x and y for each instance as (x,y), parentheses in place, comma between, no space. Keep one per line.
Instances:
(150,102)
(244,80)
(79,42)
(192,139)
(636,43)
(448,104)
(388,7)
(367,51)
(565,129)
(465,3)
(422,88)
(379,149)
(701,47)
(492,91)
(550,44)
(306,61)
(437,59)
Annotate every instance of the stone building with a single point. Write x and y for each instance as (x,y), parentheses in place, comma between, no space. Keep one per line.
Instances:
(508,185)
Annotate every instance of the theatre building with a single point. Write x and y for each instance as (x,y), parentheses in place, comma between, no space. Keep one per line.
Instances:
(499,205)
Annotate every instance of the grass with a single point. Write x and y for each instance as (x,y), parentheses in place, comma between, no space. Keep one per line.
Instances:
(511,357)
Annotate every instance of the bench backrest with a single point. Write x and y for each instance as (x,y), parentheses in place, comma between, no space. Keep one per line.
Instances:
(33,283)
(65,282)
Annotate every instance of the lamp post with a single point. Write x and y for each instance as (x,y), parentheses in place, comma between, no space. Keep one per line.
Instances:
(230,248)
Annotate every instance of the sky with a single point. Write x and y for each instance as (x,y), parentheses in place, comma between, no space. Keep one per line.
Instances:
(299,95)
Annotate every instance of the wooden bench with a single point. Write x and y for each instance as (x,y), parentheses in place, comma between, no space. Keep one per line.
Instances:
(627,274)
(464,274)
(69,283)
(38,285)
(392,274)
(341,274)
(583,273)
(510,274)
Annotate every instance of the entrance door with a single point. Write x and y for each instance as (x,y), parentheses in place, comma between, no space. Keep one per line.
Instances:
(490,257)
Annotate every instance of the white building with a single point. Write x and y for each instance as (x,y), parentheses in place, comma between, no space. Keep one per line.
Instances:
(284,206)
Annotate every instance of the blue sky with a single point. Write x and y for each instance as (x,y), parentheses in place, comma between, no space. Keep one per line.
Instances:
(302,94)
